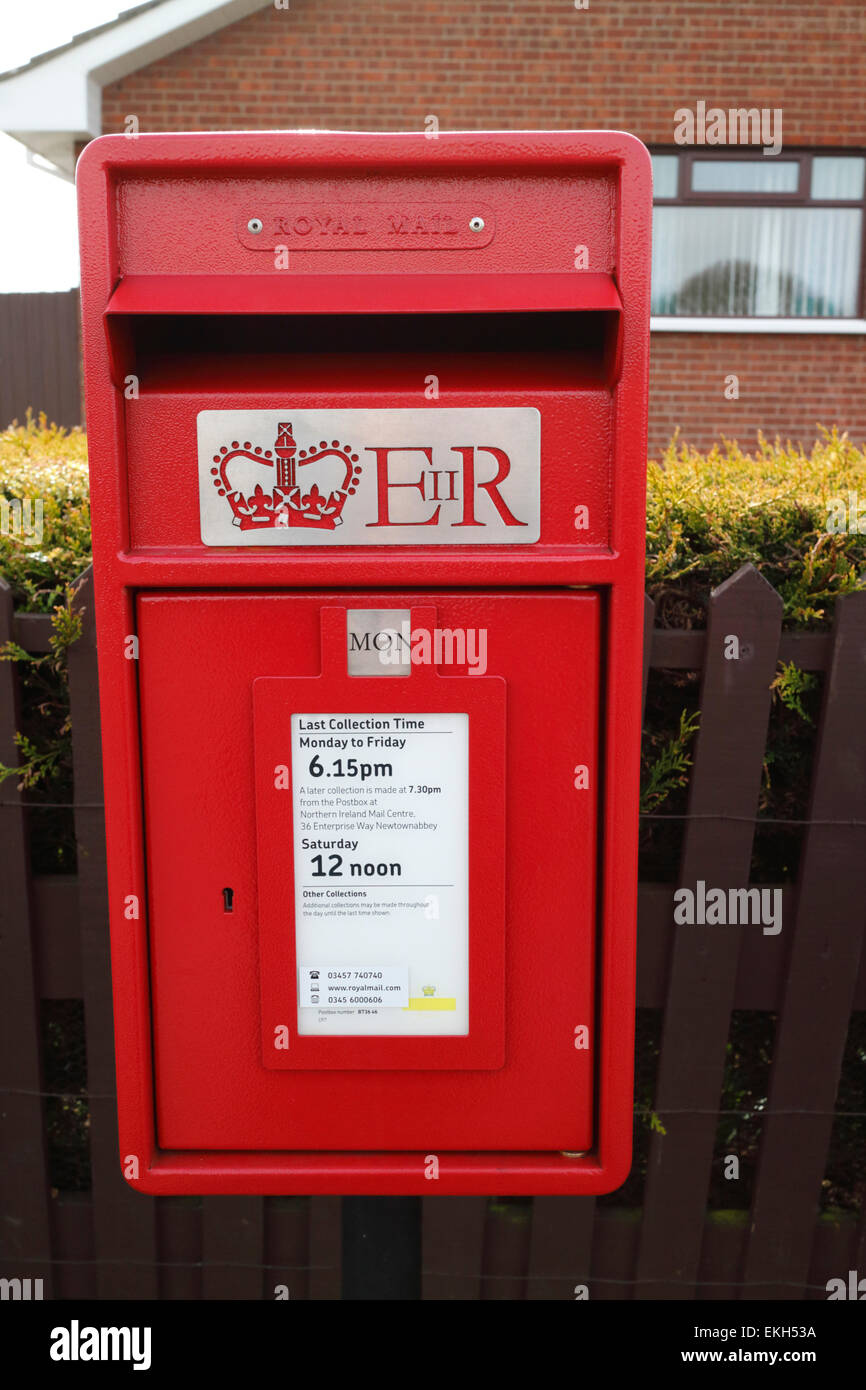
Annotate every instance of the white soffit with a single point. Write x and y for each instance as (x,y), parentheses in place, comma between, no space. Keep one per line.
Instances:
(55,100)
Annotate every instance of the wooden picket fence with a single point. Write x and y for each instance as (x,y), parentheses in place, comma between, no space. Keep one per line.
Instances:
(108,1242)
(40,356)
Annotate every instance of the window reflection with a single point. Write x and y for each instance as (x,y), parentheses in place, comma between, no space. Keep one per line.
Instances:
(788,262)
(745,176)
(838,176)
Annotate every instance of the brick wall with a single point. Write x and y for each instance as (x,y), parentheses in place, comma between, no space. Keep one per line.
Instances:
(477,64)
(789,384)
(629,64)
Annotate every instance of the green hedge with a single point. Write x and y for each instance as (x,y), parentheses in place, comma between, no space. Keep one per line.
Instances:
(779,508)
(42,462)
(707,514)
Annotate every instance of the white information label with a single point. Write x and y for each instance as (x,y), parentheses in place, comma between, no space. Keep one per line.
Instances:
(381,846)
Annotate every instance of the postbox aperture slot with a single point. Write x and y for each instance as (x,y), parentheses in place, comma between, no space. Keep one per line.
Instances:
(164,346)
(154,318)
(552,331)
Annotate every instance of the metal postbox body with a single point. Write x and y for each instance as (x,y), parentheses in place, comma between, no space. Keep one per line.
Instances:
(367,420)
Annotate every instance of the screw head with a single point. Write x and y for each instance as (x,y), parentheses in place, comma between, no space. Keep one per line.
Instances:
(255,225)
(476,224)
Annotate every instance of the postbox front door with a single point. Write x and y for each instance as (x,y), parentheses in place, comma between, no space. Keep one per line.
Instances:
(340,791)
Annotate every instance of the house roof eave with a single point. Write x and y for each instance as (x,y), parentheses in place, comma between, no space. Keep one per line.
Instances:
(55,101)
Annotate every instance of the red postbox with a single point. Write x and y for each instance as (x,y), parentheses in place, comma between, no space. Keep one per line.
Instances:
(367,424)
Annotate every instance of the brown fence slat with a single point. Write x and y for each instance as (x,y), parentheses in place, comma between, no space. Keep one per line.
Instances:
(233,1247)
(561,1248)
(505,1259)
(453,1234)
(14,356)
(655,932)
(760,971)
(726,777)
(287,1246)
(125,1226)
(677,650)
(859,1260)
(615,1237)
(649,613)
(721,1256)
(47,322)
(74,1262)
(833,1254)
(179,1237)
(32,631)
(326,1248)
(61,358)
(825,949)
(56,930)
(25,1222)
(39,357)
(811,651)
(860,987)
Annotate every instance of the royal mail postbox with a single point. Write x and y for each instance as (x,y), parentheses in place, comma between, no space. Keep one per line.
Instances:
(367,424)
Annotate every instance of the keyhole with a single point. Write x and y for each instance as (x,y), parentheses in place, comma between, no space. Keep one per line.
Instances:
(228,899)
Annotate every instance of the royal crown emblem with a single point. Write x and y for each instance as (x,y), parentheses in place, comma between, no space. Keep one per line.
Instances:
(316,498)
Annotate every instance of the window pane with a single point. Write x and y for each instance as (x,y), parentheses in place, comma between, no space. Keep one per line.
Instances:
(745,176)
(665,167)
(792,262)
(837,177)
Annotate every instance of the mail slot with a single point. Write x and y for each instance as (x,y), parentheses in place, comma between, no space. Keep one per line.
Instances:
(367,421)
